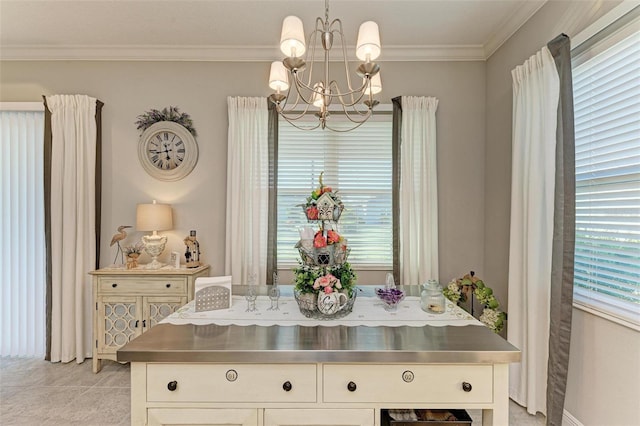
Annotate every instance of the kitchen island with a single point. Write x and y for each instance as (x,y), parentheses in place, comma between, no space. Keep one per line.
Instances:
(320,375)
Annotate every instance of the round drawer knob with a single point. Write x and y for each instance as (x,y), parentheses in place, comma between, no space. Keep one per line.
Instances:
(351,386)
(287,386)
(466,387)
(114,285)
(168,285)
(172,385)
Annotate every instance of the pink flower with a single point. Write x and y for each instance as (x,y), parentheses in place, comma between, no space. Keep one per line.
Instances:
(328,290)
(312,213)
(319,240)
(333,237)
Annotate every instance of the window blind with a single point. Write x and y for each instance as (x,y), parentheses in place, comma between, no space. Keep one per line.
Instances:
(356,163)
(22,246)
(606,84)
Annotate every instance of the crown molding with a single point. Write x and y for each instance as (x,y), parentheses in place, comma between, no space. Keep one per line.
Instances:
(219,53)
(510,25)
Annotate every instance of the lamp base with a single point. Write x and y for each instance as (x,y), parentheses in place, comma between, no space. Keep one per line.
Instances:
(154,264)
(154,246)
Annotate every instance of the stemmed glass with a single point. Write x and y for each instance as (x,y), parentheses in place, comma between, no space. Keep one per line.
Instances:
(274,294)
(252,292)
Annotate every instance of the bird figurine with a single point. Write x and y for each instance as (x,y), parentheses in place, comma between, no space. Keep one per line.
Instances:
(117,237)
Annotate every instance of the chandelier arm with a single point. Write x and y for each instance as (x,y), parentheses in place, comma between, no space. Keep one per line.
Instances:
(345,59)
(364,115)
(360,92)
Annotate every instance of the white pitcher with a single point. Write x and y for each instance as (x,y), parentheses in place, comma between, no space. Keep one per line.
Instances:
(330,303)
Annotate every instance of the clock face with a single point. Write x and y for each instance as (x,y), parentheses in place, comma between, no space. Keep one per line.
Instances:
(167,151)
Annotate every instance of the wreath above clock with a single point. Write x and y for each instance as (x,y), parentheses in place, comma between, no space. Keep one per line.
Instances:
(167,148)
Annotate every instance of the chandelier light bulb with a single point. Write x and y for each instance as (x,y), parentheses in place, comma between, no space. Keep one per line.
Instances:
(376,85)
(317,99)
(278,77)
(368,46)
(292,42)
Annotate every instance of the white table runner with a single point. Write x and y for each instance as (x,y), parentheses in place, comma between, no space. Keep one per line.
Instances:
(367,311)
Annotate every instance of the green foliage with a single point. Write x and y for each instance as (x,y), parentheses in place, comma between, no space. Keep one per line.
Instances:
(305,276)
(171,114)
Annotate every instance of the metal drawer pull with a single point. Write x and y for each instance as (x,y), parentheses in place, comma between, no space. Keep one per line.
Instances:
(172,385)
(466,386)
(136,325)
(144,323)
(287,386)
(114,285)
(351,386)
(168,285)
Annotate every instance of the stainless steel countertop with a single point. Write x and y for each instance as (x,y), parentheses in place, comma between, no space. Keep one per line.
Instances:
(299,344)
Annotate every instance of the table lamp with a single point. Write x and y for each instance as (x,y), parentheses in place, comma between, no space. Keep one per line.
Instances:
(154,217)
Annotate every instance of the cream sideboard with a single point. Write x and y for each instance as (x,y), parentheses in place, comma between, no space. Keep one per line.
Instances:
(296,375)
(128,302)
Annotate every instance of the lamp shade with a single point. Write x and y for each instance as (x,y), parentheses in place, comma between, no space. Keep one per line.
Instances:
(368,46)
(154,217)
(376,85)
(278,77)
(292,42)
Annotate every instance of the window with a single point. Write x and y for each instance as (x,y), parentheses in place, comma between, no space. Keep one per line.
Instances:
(358,164)
(606,80)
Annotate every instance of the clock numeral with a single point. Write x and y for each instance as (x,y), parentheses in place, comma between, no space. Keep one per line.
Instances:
(181,150)
(179,142)
(166,136)
(155,158)
(159,138)
(153,143)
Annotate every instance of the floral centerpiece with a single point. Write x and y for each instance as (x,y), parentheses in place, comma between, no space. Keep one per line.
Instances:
(324,281)
(459,290)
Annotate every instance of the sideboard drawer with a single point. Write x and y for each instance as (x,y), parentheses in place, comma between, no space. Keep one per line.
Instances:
(408,383)
(231,383)
(156,286)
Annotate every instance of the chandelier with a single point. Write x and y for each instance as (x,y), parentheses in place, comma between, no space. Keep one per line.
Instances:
(306,92)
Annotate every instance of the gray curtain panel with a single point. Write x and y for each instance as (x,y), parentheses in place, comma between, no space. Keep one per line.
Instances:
(395,182)
(272,258)
(47,206)
(561,308)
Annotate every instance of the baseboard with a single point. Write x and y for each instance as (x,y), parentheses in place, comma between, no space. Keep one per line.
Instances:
(569,420)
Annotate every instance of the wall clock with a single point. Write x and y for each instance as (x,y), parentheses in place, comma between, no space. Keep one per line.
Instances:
(167,151)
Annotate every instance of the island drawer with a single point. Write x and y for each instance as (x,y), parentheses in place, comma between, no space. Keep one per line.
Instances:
(157,286)
(231,382)
(391,383)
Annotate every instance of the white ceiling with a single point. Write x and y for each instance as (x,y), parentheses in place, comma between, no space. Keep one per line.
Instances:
(249,30)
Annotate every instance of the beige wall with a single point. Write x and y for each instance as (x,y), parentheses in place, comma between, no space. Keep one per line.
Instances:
(604,371)
(201,88)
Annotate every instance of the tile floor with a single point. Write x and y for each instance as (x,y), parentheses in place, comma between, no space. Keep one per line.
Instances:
(36,392)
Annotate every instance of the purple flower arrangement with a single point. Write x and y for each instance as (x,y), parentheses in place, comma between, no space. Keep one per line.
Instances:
(390,296)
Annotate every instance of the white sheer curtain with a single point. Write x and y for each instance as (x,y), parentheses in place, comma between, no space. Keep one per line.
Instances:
(418,191)
(247,189)
(73,241)
(22,259)
(536,87)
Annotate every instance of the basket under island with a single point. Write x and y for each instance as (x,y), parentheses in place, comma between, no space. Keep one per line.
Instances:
(325,375)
